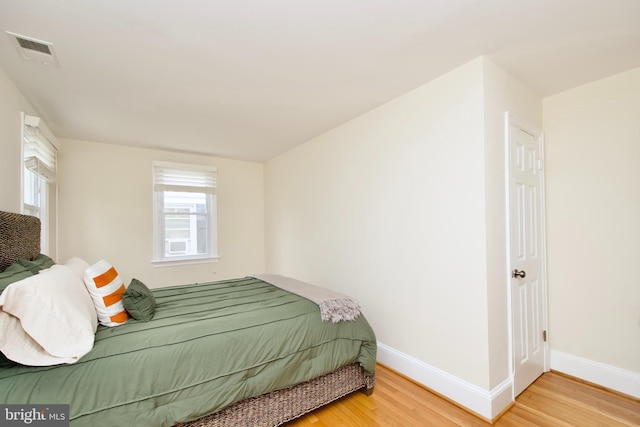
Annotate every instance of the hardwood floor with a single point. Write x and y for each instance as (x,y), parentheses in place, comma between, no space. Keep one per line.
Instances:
(553,400)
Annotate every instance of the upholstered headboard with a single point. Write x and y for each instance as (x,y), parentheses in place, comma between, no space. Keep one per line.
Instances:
(19,238)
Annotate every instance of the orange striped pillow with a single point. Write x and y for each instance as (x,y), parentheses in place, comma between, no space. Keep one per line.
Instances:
(106,289)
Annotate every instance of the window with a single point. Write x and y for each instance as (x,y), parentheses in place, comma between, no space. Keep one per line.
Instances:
(39,149)
(184,212)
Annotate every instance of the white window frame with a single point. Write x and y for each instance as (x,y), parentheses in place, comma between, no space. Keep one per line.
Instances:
(39,159)
(164,183)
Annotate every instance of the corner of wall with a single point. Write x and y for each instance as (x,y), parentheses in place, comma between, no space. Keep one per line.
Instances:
(487,404)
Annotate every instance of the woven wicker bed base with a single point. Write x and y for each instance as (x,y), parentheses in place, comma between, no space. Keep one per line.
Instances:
(278,407)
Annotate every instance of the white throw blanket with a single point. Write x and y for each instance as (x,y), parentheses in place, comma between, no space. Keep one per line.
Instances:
(334,306)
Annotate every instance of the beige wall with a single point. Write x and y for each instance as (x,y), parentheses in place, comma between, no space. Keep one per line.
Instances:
(593,220)
(11,104)
(106,207)
(502,92)
(390,209)
(404,208)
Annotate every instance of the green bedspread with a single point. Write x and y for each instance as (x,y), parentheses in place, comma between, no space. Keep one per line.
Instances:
(208,346)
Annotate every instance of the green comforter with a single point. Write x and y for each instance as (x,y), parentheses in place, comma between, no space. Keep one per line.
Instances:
(208,346)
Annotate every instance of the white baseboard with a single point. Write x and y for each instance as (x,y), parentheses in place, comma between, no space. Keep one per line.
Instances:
(486,403)
(607,376)
(489,403)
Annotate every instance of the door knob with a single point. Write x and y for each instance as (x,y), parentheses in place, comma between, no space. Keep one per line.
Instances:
(518,273)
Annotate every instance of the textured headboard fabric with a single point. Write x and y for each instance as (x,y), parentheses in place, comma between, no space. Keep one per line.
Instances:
(19,238)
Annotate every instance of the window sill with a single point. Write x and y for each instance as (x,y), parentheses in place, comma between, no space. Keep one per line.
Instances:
(188,261)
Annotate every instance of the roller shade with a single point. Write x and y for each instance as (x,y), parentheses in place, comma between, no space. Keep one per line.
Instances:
(39,153)
(173,177)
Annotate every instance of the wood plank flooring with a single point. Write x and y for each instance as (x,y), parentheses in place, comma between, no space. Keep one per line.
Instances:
(553,400)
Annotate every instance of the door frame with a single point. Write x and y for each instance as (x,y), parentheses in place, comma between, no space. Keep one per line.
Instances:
(511,119)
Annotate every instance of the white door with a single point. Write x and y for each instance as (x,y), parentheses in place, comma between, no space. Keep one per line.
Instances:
(527,257)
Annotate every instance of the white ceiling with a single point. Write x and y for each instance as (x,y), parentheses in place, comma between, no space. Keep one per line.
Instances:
(249,79)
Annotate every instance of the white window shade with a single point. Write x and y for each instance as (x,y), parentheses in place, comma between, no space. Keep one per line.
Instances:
(39,192)
(37,166)
(168,177)
(39,151)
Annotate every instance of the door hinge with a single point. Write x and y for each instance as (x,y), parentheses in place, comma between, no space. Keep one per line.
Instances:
(540,164)
(544,336)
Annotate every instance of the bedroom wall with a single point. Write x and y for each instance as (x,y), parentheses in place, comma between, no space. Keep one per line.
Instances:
(404,208)
(593,222)
(12,102)
(106,209)
(502,92)
(390,208)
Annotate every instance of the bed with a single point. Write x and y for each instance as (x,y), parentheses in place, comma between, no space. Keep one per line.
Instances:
(234,352)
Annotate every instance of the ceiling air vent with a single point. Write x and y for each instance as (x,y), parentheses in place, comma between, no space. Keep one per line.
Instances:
(34,50)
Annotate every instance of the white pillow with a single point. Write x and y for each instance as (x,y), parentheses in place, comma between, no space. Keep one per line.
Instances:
(47,319)
(106,289)
(78,265)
